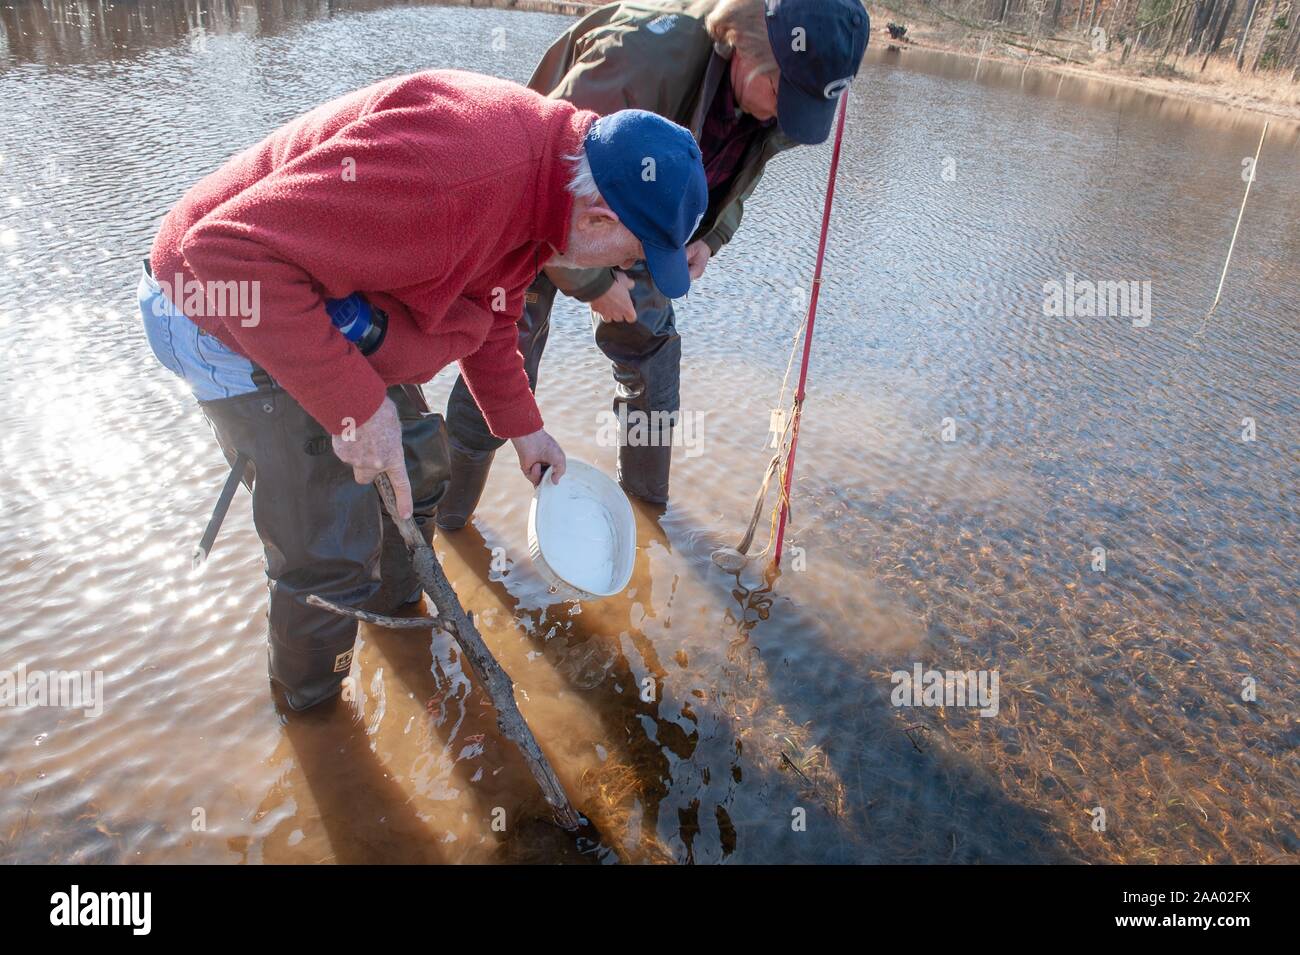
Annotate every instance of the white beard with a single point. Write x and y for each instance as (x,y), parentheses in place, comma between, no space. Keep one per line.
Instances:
(564,261)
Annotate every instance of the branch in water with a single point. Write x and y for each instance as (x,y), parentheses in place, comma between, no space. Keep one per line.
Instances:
(379,619)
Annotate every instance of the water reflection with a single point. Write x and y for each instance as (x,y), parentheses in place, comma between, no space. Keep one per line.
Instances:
(1126,99)
(84,31)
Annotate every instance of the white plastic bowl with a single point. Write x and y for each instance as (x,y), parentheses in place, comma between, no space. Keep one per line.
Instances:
(582,534)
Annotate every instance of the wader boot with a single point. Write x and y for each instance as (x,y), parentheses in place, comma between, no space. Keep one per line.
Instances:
(469,474)
(473,445)
(646,356)
(643,471)
(323,533)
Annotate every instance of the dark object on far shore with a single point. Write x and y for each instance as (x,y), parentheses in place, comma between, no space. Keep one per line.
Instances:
(896,31)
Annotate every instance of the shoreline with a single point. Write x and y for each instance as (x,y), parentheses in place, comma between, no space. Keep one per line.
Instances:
(930,34)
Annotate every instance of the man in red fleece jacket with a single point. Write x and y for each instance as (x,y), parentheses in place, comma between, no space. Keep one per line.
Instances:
(307,287)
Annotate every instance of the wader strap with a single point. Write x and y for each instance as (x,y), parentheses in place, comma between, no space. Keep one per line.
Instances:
(416,394)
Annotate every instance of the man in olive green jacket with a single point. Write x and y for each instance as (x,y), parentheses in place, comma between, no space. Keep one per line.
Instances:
(749,79)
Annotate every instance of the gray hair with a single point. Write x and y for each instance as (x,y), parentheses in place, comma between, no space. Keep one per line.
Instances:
(583,183)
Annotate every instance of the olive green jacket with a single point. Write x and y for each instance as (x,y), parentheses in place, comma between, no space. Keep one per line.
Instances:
(654,55)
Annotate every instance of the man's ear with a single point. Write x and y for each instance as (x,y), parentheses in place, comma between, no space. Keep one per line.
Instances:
(596,217)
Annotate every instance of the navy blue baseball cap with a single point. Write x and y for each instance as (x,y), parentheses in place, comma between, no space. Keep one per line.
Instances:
(818,44)
(649,172)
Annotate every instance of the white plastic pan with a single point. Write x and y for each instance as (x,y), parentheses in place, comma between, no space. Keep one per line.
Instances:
(582,534)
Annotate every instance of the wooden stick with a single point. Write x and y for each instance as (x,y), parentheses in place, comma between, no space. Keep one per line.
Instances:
(378,619)
(487,671)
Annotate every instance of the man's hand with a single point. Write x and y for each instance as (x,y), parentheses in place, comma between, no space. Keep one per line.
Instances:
(616,304)
(536,451)
(375,448)
(697,258)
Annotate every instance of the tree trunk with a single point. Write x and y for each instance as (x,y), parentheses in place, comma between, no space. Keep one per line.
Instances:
(1263,39)
(1110,19)
(1293,36)
(1244,37)
(1169,43)
(1219,30)
(1205,10)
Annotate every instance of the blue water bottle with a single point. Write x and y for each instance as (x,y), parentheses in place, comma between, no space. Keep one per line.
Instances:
(358,321)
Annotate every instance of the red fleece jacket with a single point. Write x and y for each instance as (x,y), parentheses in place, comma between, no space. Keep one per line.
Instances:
(437,195)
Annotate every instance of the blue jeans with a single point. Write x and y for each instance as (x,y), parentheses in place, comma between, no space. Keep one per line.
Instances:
(210,368)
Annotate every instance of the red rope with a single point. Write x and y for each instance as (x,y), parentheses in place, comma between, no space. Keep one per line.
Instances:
(808,334)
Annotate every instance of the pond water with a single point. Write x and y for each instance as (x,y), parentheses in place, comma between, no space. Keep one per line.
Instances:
(967,463)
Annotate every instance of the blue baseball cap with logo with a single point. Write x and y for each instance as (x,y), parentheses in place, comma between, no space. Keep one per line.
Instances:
(649,172)
(818,44)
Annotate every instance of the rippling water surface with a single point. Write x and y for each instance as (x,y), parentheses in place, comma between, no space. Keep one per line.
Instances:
(959,198)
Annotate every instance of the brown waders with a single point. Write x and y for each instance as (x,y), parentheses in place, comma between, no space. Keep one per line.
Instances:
(646,356)
(323,532)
